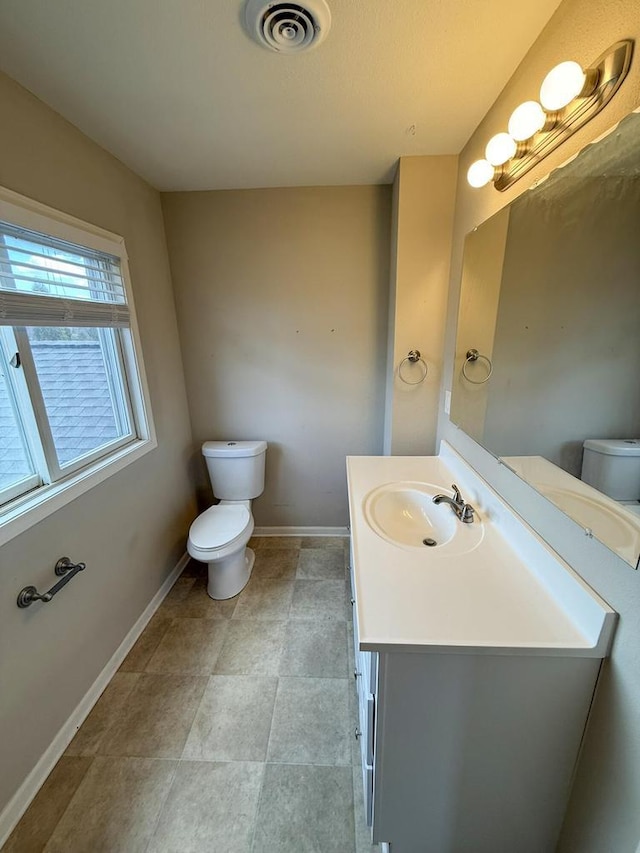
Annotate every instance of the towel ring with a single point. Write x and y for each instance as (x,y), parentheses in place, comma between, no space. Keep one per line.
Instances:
(413,357)
(474,355)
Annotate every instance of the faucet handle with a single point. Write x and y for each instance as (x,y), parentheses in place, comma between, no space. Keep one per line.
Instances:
(457,495)
(467,513)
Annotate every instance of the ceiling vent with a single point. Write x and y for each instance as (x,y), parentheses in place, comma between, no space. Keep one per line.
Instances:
(288,27)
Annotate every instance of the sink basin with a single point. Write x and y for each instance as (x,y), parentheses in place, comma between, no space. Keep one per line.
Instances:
(404,514)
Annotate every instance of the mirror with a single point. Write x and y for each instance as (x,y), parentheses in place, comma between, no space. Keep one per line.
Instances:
(548,339)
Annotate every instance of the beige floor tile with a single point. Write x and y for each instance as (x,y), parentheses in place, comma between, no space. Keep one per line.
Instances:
(146,643)
(265,598)
(197,604)
(340,542)
(180,590)
(50,803)
(315,649)
(278,563)
(233,720)
(322,564)
(156,718)
(319,600)
(116,807)
(305,810)
(189,647)
(251,647)
(311,723)
(211,807)
(105,712)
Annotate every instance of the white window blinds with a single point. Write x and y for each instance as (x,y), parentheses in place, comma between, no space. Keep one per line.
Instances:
(45,281)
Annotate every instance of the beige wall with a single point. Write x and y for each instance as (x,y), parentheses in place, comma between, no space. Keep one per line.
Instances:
(424,195)
(603,812)
(282,304)
(130,530)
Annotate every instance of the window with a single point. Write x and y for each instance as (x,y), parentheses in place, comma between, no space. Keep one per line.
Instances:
(73,401)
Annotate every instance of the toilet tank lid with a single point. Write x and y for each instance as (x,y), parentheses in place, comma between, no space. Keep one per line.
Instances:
(614,446)
(233,448)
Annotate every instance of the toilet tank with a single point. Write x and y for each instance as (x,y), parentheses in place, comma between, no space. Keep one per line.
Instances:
(236,468)
(613,466)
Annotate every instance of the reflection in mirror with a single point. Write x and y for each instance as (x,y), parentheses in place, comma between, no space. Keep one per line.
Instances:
(550,299)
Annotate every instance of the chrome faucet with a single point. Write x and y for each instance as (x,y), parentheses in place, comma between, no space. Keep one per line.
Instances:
(462,509)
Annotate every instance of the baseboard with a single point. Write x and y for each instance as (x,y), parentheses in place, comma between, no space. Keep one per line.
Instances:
(21,800)
(301,531)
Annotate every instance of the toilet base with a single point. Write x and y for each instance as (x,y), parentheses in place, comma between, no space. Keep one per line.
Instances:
(229,576)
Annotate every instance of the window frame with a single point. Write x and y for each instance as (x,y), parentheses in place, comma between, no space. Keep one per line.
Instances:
(74,478)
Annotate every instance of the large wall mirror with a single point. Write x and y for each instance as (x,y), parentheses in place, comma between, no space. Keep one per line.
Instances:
(548,340)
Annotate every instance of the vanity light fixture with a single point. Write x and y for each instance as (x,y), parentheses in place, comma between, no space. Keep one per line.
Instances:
(570,96)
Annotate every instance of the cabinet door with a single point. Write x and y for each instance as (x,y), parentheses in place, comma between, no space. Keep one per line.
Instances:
(367,784)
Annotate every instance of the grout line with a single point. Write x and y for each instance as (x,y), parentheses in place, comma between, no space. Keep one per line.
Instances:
(195,717)
(162,804)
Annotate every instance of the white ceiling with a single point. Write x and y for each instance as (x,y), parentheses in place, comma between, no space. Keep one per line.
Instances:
(178,91)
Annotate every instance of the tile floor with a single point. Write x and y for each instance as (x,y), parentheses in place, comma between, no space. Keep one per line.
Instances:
(228,728)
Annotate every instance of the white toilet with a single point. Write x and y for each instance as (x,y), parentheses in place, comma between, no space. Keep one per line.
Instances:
(613,467)
(220,534)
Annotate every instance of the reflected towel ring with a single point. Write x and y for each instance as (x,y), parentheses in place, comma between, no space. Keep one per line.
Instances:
(474,355)
(413,357)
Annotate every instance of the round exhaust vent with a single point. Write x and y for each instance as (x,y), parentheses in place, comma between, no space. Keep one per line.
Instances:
(288,27)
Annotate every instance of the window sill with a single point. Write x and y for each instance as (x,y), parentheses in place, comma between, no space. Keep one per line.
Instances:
(19,515)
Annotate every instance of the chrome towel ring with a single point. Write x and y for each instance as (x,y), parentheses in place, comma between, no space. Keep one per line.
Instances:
(474,355)
(414,357)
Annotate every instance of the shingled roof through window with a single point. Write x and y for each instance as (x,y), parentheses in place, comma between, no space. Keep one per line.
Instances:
(75,387)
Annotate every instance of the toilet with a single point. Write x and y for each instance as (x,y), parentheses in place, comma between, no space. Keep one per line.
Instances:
(220,534)
(613,467)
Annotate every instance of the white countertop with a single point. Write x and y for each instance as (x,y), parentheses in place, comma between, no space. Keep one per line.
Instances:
(510,595)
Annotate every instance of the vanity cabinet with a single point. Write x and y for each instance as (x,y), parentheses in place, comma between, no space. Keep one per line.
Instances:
(475,674)
(468,753)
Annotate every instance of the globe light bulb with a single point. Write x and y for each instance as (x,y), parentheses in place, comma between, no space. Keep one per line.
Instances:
(500,148)
(480,173)
(526,120)
(561,85)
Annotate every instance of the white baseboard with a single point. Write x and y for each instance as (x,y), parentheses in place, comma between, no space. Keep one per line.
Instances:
(301,531)
(21,800)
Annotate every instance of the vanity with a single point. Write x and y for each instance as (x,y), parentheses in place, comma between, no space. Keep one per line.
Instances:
(477,656)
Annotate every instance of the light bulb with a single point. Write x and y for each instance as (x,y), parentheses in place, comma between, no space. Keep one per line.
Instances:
(561,85)
(526,120)
(500,148)
(480,173)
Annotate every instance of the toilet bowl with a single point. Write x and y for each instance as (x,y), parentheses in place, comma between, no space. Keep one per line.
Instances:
(219,535)
(219,538)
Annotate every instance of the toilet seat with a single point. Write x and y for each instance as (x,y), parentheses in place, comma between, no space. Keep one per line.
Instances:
(219,526)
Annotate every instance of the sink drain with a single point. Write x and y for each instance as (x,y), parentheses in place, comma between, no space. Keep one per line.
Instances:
(429,542)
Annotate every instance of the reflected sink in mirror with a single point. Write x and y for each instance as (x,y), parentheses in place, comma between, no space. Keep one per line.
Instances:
(612,525)
(404,514)
(609,521)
